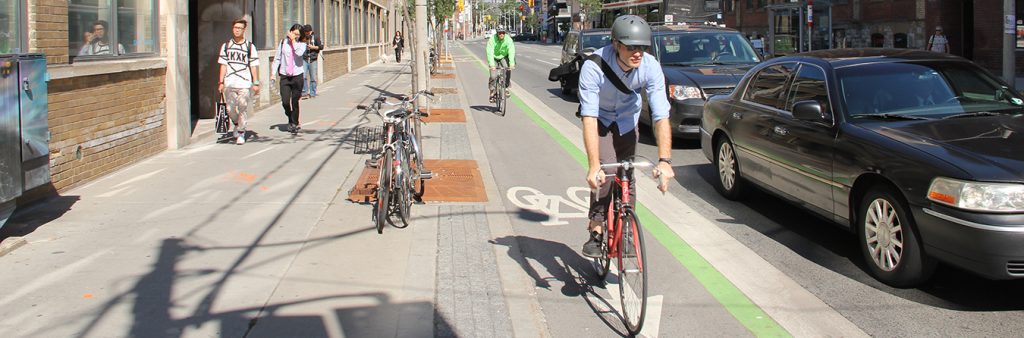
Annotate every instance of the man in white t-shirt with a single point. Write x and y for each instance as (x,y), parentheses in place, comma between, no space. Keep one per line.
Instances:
(938,42)
(239,73)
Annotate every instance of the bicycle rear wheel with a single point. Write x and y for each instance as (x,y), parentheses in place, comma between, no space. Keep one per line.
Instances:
(632,273)
(384,190)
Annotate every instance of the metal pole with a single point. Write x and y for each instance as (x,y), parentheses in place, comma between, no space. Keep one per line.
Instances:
(421,45)
(1009,41)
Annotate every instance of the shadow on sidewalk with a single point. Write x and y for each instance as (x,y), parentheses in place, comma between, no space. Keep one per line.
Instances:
(565,265)
(29,218)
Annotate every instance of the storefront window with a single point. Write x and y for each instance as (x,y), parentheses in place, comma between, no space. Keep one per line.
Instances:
(263,25)
(106,28)
(1020,24)
(10,27)
(332,23)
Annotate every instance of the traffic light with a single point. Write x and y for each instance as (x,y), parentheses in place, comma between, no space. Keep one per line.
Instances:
(531,3)
(521,8)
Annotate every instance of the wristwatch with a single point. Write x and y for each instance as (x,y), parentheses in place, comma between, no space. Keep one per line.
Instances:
(666,160)
(256,83)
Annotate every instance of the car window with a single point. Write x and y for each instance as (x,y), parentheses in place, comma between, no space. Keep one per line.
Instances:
(809,84)
(695,48)
(595,40)
(924,89)
(769,84)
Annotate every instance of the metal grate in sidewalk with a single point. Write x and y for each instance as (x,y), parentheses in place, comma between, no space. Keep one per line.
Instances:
(454,181)
(446,115)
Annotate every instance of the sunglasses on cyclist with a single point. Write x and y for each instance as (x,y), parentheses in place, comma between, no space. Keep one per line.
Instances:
(633,48)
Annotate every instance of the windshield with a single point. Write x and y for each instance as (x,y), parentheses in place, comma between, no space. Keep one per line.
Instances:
(689,48)
(596,41)
(924,89)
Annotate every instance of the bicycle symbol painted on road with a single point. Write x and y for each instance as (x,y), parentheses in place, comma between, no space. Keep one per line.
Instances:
(551,205)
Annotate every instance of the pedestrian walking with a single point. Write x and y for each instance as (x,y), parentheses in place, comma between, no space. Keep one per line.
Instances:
(288,64)
(938,41)
(239,77)
(398,43)
(311,57)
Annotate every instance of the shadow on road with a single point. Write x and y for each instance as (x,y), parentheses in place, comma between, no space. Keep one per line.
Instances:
(565,265)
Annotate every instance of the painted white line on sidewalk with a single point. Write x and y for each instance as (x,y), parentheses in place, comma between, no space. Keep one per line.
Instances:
(259,152)
(140,177)
(798,311)
(310,122)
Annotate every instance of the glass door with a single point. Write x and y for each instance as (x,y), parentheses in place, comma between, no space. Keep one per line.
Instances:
(784,31)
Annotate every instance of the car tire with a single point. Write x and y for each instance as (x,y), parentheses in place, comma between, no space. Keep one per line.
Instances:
(730,183)
(889,241)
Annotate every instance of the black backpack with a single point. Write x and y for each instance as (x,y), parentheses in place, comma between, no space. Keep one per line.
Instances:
(608,73)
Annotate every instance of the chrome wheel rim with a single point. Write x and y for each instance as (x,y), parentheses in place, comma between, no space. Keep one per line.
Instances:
(883,233)
(726,166)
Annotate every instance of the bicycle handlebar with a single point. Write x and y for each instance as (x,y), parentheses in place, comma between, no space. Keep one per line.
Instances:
(630,164)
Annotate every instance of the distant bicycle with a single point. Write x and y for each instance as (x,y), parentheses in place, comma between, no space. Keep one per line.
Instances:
(401,173)
(624,242)
(501,93)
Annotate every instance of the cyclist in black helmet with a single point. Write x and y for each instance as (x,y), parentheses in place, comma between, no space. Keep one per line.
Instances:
(610,116)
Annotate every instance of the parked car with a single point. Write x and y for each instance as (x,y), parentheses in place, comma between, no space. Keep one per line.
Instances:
(918,153)
(698,62)
(582,42)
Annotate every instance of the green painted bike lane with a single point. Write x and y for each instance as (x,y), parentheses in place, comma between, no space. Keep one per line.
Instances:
(751,316)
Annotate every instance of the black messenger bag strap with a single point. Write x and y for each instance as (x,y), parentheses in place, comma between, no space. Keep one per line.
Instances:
(609,73)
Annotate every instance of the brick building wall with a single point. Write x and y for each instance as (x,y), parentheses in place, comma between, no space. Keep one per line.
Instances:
(48,20)
(101,123)
(358,57)
(335,63)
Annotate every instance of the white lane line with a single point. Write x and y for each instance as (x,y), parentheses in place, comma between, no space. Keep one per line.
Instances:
(553,64)
(259,152)
(797,310)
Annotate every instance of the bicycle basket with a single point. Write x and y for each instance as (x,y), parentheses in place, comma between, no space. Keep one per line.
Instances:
(368,140)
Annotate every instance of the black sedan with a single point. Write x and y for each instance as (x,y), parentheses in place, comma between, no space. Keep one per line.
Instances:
(920,154)
(698,62)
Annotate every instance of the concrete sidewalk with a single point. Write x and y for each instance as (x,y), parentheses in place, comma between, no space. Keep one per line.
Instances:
(257,240)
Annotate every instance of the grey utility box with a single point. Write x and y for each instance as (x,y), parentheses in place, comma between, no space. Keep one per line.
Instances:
(24,128)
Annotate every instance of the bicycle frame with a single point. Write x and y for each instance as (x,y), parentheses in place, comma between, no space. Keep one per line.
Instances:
(616,209)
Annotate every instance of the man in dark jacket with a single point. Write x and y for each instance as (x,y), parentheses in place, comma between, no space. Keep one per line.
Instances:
(311,57)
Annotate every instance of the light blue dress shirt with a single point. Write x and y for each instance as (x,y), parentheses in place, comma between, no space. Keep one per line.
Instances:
(599,97)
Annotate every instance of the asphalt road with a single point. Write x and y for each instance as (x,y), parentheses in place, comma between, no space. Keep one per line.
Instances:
(817,254)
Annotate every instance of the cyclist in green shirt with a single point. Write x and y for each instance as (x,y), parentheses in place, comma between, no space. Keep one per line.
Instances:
(500,51)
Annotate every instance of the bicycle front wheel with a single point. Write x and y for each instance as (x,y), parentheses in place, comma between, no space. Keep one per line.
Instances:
(632,273)
(403,188)
(384,189)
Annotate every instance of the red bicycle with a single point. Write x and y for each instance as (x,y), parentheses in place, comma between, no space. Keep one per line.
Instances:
(624,242)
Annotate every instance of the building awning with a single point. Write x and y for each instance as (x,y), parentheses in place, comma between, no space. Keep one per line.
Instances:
(629,3)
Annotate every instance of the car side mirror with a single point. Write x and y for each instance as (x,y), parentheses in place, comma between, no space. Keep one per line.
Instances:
(809,110)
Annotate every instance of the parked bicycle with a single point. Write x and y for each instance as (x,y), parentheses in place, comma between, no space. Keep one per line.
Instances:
(501,90)
(401,173)
(624,242)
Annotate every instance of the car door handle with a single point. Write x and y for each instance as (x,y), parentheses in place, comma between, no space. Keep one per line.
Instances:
(737,115)
(781,130)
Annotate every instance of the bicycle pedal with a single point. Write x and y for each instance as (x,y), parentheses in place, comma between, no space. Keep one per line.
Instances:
(426,174)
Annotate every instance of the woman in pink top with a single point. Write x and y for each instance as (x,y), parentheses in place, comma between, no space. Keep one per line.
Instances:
(289,66)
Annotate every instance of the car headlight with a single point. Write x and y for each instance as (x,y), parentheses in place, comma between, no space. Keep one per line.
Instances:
(682,92)
(977,196)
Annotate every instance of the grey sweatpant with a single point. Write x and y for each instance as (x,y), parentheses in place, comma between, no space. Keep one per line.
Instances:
(613,148)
